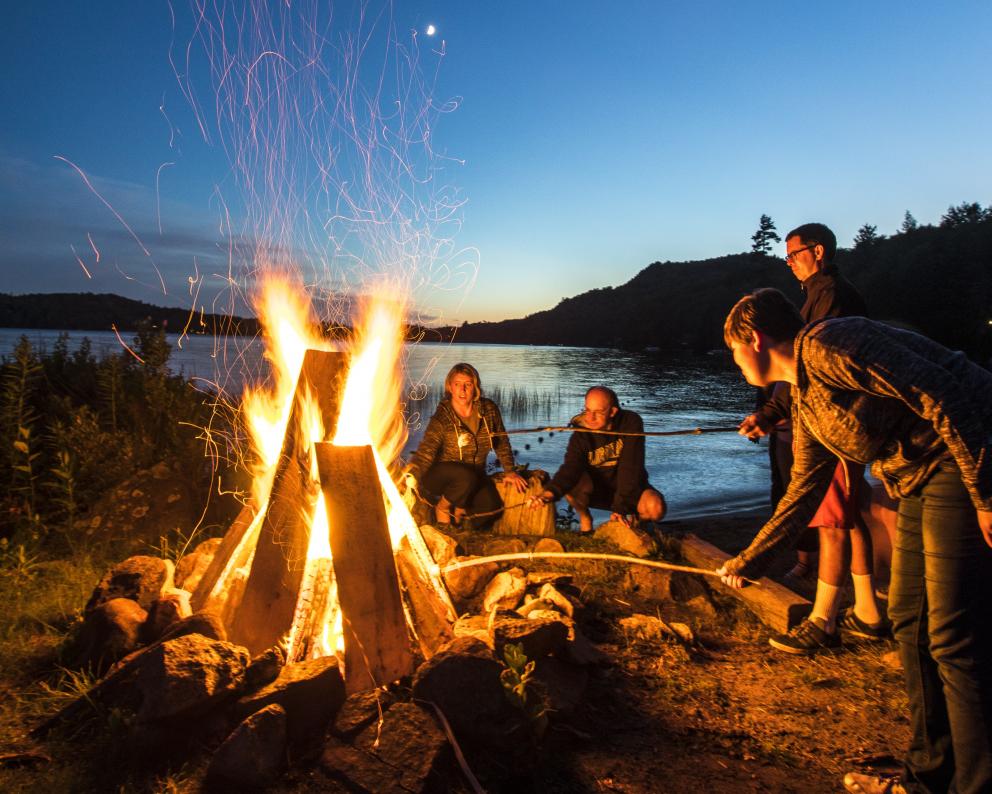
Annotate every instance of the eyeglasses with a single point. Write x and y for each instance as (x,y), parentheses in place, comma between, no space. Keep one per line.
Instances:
(595,414)
(790,256)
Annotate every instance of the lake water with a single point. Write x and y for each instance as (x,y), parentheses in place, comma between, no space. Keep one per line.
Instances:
(699,475)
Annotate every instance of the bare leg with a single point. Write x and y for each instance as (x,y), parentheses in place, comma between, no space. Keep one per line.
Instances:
(579,498)
(831,574)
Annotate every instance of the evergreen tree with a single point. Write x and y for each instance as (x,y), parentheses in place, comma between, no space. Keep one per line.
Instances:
(867,236)
(966,213)
(909,223)
(761,240)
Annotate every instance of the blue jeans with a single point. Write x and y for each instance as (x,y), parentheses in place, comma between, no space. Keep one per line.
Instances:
(940,604)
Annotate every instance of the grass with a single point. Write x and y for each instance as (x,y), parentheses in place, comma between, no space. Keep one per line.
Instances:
(515,403)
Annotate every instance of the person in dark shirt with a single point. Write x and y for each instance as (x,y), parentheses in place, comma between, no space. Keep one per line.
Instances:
(604,469)
(810,253)
(921,415)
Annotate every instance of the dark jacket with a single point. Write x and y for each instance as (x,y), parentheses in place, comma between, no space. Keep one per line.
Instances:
(615,463)
(867,392)
(440,441)
(828,294)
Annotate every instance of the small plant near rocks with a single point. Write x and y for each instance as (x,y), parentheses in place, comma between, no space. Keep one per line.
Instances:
(516,680)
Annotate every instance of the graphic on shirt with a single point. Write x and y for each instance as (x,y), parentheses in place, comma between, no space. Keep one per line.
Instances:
(607,455)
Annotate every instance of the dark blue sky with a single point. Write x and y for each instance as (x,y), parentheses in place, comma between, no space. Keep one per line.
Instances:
(585,140)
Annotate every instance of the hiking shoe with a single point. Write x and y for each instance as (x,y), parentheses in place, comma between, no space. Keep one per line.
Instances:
(857,783)
(805,639)
(853,626)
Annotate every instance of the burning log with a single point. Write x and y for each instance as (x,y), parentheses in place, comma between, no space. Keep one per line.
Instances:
(266,610)
(376,644)
(225,552)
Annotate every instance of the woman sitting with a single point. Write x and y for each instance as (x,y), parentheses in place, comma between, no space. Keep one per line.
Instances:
(450,463)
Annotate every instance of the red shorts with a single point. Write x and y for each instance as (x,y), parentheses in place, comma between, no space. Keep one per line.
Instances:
(841,504)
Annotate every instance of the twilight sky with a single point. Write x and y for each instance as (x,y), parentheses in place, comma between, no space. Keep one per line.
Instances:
(570,144)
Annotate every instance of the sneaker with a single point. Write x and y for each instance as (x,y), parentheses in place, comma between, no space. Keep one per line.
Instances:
(853,626)
(857,783)
(805,639)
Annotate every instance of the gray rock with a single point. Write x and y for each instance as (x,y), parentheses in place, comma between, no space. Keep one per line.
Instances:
(142,579)
(561,602)
(535,605)
(190,569)
(311,692)
(255,753)
(549,545)
(443,547)
(629,539)
(539,636)
(462,679)
(166,611)
(410,741)
(466,583)
(109,633)
(539,578)
(185,677)
(562,685)
(359,771)
(505,590)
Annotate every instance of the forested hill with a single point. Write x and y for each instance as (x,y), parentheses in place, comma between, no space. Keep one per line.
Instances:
(935,279)
(85,311)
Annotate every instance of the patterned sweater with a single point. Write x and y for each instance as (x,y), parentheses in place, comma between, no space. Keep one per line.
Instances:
(448,438)
(869,393)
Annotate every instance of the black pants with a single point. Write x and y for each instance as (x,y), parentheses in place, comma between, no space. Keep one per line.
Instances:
(939,603)
(465,486)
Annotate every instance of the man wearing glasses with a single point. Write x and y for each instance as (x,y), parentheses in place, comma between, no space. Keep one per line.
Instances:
(604,465)
(810,250)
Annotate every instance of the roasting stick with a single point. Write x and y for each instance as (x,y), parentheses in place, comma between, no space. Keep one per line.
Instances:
(582,555)
(693,431)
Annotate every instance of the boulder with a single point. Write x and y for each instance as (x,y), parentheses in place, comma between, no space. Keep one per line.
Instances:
(466,583)
(410,741)
(653,584)
(109,632)
(540,578)
(190,569)
(688,589)
(535,605)
(166,610)
(264,668)
(549,545)
(629,539)
(142,579)
(358,771)
(539,636)
(185,677)
(462,680)
(311,692)
(255,753)
(561,602)
(443,547)
(561,684)
(505,590)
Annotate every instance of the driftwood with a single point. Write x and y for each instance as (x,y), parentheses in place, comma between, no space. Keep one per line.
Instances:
(376,644)
(775,605)
(268,605)
(518,517)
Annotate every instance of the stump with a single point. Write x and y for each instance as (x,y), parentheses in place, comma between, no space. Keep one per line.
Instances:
(519,518)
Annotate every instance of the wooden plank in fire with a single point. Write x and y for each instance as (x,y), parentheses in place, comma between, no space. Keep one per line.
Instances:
(431,623)
(268,605)
(775,605)
(376,644)
(225,552)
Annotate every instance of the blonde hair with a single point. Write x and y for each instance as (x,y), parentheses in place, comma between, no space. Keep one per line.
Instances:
(464,369)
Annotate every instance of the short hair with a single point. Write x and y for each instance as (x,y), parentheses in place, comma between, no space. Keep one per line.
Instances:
(766,310)
(611,395)
(811,233)
(464,369)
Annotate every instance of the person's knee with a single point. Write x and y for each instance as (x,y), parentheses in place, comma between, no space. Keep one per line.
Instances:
(651,506)
(834,537)
(578,500)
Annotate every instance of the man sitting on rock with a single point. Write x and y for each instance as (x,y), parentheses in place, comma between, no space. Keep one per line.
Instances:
(604,465)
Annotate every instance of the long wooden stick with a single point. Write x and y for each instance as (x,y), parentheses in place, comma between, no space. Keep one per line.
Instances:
(582,555)
(694,431)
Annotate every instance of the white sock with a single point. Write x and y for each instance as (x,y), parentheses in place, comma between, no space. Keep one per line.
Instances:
(825,605)
(865,605)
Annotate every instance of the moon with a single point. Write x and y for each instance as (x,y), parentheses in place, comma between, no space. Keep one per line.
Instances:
(431,30)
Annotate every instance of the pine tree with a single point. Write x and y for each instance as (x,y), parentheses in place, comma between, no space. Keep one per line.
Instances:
(761,240)
(909,223)
(966,213)
(867,236)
